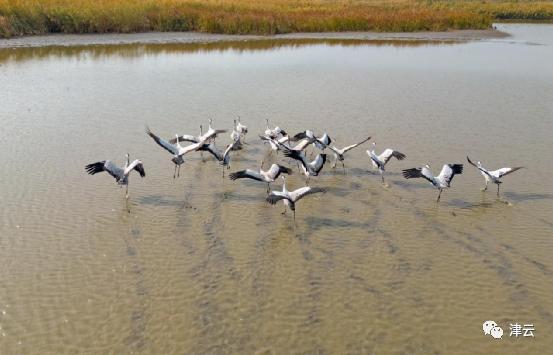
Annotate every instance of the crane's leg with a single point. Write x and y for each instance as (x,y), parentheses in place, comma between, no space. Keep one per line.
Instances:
(178,173)
(497,190)
(382,176)
(307,181)
(284,212)
(268,188)
(175,172)
(223,171)
(127,191)
(294,216)
(439,195)
(485,187)
(344,167)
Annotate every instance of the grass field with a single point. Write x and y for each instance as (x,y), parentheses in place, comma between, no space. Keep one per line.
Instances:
(26,17)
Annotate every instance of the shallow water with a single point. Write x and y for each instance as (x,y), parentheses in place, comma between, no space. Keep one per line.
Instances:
(203,265)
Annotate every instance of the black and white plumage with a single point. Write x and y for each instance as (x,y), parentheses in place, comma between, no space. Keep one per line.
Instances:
(339,153)
(176,149)
(441,181)
(274,132)
(121,175)
(268,176)
(242,129)
(493,176)
(290,198)
(187,137)
(320,142)
(379,161)
(222,156)
(301,145)
(310,168)
(275,143)
(236,137)
(211,133)
(307,134)
(323,142)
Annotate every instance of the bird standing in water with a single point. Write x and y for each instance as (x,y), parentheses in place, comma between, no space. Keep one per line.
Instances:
(493,176)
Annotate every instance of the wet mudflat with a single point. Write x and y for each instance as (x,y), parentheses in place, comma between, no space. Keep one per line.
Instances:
(204,265)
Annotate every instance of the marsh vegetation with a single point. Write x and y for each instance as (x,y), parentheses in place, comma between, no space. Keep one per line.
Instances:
(28,17)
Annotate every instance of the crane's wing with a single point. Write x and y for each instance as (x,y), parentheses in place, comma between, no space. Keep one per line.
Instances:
(449,171)
(276,196)
(349,147)
(303,135)
(136,165)
(184,138)
(304,191)
(213,150)
(190,148)
(389,153)
(298,136)
(296,155)
(275,171)
(335,150)
(246,174)
(265,137)
(211,134)
(471,163)
(163,143)
(273,142)
(301,145)
(320,145)
(106,166)
(280,131)
(229,148)
(318,163)
(505,171)
(486,172)
(418,173)
(324,141)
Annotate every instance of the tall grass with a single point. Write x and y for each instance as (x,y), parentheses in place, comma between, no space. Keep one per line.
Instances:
(24,17)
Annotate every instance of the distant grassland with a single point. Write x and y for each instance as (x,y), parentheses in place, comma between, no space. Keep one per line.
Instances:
(26,17)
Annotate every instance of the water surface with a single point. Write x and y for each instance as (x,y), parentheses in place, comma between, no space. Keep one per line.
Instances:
(203,265)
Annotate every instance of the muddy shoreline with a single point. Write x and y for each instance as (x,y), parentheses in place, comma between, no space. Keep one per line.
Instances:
(196,37)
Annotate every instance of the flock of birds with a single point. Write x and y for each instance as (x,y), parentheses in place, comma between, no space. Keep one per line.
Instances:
(293,147)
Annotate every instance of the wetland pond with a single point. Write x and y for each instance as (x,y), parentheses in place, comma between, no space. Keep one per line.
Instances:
(203,265)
